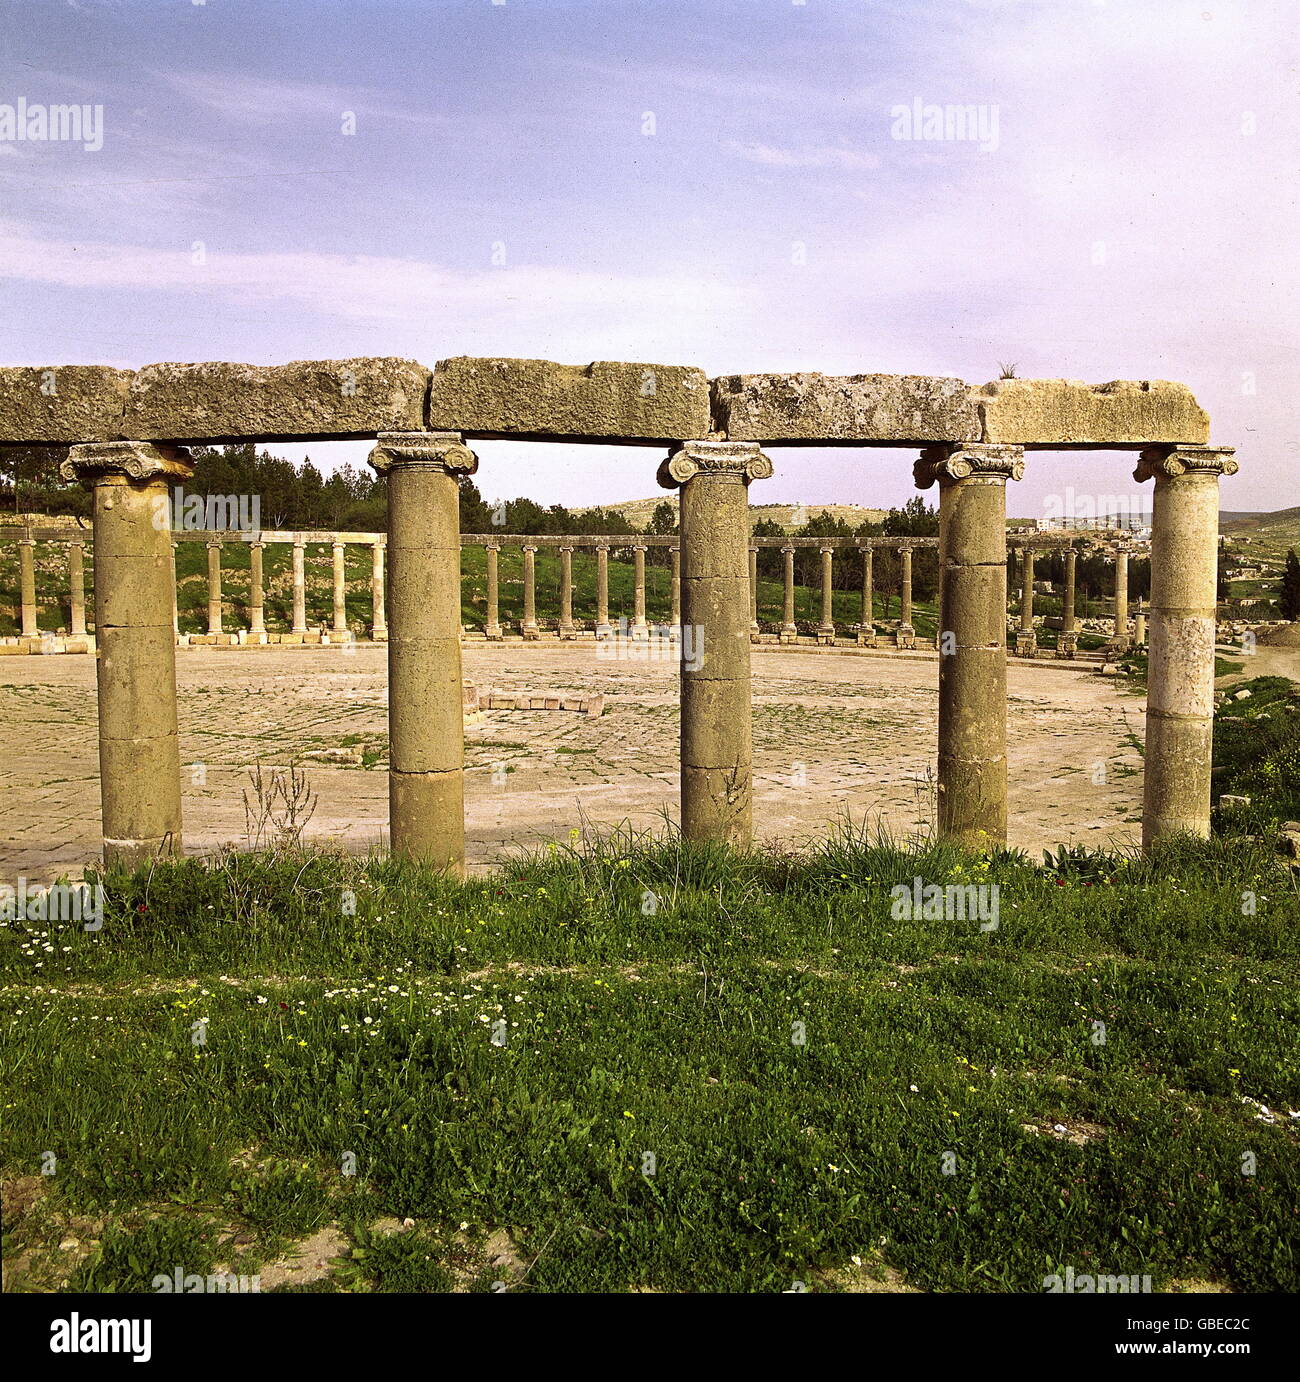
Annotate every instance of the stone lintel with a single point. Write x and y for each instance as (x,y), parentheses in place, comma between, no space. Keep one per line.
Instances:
(605,401)
(305,400)
(1061,414)
(62,405)
(863,409)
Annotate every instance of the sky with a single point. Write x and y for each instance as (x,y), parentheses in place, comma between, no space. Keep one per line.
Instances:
(720,183)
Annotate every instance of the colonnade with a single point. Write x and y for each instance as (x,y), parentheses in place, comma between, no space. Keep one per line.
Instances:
(716,585)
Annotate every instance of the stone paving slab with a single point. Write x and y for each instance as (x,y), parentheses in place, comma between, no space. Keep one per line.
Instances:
(834,735)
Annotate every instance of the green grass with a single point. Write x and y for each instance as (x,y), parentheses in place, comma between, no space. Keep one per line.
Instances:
(350,1009)
(1257,754)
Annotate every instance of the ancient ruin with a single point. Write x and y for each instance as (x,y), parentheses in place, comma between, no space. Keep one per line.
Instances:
(128,432)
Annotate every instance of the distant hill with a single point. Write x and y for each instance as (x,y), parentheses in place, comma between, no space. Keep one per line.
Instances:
(1280,522)
(640,511)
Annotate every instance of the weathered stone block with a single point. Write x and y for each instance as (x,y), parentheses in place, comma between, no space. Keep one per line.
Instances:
(306,400)
(896,408)
(68,405)
(606,400)
(1068,413)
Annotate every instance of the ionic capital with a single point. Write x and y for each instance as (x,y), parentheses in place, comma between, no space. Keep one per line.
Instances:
(1174,462)
(952,461)
(135,460)
(444,451)
(716,459)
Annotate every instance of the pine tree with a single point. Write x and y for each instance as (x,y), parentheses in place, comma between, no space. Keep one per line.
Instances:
(1289,590)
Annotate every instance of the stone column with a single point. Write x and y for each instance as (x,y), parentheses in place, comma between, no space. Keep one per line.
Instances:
(339,627)
(299,589)
(426,751)
(214,589)
(972,784)
(176,615)
(602,590)
(1121,597)
(638,619)
(1026,642)
(676,618)
(753,594)
(1180,665)
(378,613)
(27,587)
(139,756)
(1139,626)
(789,629)
(906,637)
(529,627)
(826,629)
(1067,642)
(492,629)
(716,736)
(77,589)
(567,629)
(866,617)
(256,594)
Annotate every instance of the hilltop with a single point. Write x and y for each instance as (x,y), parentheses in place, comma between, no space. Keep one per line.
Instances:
(640,511)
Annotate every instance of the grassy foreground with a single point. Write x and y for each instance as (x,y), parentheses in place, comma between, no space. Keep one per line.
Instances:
(640,1065)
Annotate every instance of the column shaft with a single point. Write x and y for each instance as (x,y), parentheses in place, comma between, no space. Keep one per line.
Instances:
(299,589)
(567,629)
(753,592)
(139,755)
(529,629)
(1181,630)
(789,629)
(214,588)
(77,589)
(1121,596)
(602,589)
(826,629)
(638,558)
(340,623)
(426,787)
(866,616)
(675,619)
(27,587)
(716,734)
(378,612)
(256,591)
(972,783)
(492,628)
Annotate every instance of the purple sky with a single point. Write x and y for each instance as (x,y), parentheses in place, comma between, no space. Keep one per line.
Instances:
(707,182)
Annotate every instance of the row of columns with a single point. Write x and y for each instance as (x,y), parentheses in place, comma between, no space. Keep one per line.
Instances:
(139,754)
(1068,640)
(567,628)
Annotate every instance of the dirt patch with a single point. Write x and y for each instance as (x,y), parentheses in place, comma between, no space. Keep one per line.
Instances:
(310,1260)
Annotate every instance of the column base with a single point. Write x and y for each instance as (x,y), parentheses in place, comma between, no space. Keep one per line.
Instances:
(1026,645)
(905,637)
(530,635)
(788,633)
(867,639)
(826,636)
(1067,645)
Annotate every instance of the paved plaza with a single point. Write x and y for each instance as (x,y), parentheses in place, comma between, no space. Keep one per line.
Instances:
(836,734)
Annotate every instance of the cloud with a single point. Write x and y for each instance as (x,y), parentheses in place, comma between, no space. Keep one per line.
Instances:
(771,157)
(265,101)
